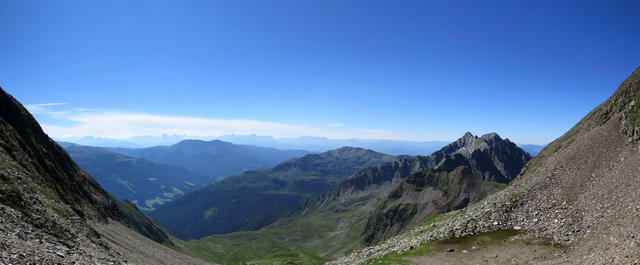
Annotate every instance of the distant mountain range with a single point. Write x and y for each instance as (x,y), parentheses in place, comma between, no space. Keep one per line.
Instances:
(146,184)
(215,159)
(257,197)
(310,143)
(321,144)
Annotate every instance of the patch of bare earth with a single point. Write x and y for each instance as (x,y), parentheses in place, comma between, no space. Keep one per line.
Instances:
(516,250)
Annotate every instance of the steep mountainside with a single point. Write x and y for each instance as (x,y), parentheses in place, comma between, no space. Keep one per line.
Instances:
(255,198)
(146,184)
(216,159)
(48,203)
(582,191)
(453,184)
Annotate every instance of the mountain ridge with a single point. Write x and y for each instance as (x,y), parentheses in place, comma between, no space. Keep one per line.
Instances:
(146,184)
(216,159)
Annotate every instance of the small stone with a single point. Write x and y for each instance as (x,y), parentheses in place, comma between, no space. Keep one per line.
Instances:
(517,227)
(60,254)
(21,235)
(465,251)
(495,222)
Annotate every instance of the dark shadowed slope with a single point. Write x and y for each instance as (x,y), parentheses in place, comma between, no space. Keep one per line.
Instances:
(581,191)
(47,203)
(255,198)
(146,184)
(216,159)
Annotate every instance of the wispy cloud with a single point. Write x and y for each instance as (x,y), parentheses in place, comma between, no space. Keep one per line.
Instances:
(124,125)
(42,107)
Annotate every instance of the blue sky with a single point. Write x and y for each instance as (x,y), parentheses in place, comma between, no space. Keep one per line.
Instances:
(417,70)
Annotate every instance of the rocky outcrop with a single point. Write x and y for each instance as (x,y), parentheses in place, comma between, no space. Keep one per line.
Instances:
(462,176)
(490,157)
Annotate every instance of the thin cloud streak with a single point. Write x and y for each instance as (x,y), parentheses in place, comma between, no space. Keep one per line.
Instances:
(123,125)
(42,107)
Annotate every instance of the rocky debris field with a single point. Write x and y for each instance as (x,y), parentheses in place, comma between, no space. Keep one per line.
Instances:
(21,243)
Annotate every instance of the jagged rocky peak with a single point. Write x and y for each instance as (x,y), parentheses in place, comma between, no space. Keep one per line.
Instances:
(491,138)
(469,143)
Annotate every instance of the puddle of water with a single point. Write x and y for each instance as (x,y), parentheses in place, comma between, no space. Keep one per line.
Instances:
(469,242)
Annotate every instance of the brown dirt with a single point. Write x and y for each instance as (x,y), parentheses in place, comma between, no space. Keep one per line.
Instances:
(514,251)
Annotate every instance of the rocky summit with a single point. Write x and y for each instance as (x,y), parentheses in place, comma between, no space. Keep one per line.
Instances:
(470,169)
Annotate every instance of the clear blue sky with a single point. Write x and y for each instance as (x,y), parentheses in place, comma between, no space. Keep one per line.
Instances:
(420,70)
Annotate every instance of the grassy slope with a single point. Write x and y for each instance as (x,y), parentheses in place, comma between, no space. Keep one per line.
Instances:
(296,240)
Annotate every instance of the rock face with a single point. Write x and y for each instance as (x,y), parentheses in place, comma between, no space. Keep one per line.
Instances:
(47,203)
(256,198)
(582,190)
(468,171)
